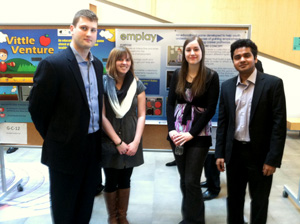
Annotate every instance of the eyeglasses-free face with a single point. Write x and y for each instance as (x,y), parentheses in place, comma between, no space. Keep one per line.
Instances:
(123,64)
(193,53)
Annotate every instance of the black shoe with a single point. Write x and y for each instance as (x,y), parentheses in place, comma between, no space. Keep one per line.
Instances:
(204,184)
(99,189)
(208,195)
(11,150)
(173,163)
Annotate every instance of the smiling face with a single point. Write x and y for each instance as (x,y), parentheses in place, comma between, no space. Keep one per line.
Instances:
(244,61)
(123,64)
(3,56)
(84,34)
(193,53)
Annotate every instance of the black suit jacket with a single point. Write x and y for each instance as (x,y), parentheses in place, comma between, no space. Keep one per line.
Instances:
(267,124)
(59,109)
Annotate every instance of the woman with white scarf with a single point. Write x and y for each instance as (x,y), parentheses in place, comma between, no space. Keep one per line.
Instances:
(123,120)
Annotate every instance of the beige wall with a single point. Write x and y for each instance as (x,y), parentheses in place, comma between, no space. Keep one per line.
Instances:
(274,22)
(40,12)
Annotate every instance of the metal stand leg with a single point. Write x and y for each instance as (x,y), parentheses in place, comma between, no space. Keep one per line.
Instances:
(17,184)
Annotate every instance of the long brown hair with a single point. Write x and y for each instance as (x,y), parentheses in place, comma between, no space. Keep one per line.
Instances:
(114,55)
(198,84)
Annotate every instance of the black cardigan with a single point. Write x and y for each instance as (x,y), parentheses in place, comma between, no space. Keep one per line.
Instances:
(208,100)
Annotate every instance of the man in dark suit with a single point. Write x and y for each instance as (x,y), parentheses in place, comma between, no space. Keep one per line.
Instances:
(65,104)
(251,133)
(211,171)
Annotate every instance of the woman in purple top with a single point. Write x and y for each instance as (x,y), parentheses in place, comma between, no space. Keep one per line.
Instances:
(192,101)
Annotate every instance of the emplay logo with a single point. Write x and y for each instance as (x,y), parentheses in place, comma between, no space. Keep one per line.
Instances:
(141,37)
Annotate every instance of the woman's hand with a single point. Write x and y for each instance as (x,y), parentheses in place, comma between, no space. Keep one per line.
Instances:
(123,148)
(172,134)
(182,138)
(132,148)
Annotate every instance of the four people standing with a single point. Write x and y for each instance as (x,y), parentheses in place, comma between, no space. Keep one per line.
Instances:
(251,133)
(124,114)
(192,101)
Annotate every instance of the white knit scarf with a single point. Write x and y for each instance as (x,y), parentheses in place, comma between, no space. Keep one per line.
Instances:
(120,109)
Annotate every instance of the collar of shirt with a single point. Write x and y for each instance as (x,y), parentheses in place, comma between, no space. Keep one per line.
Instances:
(251,78)
(243,100)
(78,56)
(91,88)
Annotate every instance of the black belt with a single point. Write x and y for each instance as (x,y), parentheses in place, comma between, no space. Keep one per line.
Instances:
(94,133)
(242,142)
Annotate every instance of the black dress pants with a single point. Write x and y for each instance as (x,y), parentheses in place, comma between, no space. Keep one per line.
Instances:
(244,168)
(190,166)
(72,196)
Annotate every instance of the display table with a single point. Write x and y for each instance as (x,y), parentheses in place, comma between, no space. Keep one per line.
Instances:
(293,124)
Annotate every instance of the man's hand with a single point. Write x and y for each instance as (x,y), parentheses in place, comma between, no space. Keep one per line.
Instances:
(268,170)
(220,164)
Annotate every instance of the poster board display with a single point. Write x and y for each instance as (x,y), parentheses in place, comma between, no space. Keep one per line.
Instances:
(156,50)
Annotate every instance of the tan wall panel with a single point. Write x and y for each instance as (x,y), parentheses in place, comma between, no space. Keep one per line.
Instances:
(155,137)
(33,137)
(93,8)
(275,23)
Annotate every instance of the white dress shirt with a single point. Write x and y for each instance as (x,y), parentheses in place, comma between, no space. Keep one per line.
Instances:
(243,101)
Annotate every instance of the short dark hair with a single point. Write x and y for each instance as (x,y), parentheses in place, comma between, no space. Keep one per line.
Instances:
(3,51)
(243,43)
(85,13)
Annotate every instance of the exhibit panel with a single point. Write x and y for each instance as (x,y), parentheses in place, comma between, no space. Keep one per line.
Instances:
(156,50)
